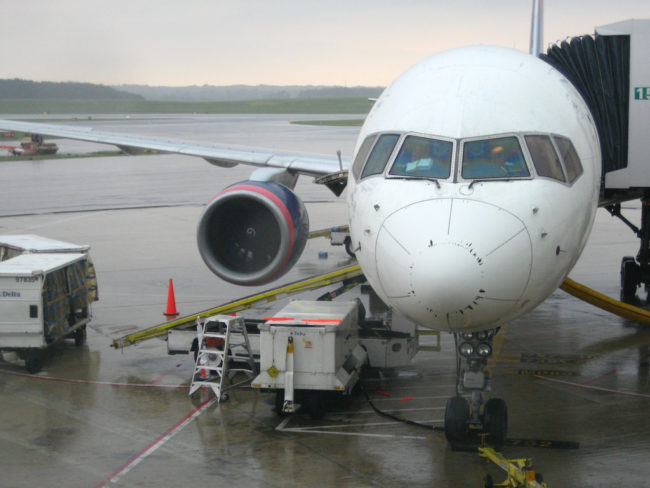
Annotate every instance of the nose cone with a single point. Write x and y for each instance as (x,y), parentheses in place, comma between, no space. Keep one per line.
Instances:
(454,264)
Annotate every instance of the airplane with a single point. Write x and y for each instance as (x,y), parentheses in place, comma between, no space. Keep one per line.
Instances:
(471,193)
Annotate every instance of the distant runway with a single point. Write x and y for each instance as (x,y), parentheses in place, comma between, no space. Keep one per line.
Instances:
(100,417)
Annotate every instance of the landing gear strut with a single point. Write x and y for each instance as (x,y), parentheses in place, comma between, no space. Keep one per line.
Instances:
(465,419)
(635,270)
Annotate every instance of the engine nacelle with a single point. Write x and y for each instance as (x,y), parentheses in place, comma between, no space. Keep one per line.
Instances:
(253,232)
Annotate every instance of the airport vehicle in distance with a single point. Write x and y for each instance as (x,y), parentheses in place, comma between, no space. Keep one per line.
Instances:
(32,145)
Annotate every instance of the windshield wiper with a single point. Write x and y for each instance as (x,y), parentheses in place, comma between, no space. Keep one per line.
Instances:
(403,177)
(488,179)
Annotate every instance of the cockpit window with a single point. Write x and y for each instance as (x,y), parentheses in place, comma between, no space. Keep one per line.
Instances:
(422,157)
(379,155)
(544,156)
(494,158)
(570,158)
(362,154)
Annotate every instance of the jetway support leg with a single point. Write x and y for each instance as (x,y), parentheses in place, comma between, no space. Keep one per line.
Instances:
(643,257)
(635,270)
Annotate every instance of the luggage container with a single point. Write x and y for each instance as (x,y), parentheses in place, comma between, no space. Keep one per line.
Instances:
(44,298)
(16,244)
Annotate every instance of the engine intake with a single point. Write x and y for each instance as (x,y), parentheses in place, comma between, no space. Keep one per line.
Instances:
(253,232)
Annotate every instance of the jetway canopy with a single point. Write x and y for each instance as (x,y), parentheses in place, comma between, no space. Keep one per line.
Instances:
(611,69)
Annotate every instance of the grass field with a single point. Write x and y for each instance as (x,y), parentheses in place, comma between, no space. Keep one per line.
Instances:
(334,123)
(357,105)
(98,154)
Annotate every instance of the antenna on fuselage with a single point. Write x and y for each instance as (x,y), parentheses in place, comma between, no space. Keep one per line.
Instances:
(536,27)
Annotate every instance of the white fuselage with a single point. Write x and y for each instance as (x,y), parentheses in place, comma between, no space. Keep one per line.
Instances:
(462,251)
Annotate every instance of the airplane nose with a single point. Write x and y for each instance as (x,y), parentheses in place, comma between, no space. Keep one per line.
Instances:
(454,264)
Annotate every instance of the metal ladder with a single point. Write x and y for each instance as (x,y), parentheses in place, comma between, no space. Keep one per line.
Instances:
(223,351)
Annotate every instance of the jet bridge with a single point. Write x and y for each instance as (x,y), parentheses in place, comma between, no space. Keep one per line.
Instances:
(611,70)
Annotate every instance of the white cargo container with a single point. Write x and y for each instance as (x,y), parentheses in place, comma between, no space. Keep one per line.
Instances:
(14,245)
(44,297)
(310,347)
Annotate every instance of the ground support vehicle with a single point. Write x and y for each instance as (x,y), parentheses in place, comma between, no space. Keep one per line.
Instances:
(310,349)
(46,291)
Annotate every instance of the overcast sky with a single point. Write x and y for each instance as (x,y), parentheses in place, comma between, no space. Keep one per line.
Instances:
(219,42)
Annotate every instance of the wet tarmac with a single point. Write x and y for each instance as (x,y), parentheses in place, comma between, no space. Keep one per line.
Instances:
(99,417)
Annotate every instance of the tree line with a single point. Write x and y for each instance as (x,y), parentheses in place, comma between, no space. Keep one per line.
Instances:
(26,89)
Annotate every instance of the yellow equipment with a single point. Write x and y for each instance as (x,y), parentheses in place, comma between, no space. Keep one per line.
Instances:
(599,300)
(341,274)
(520,471)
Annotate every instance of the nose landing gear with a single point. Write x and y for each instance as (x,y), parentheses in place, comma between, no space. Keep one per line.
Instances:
(465,420)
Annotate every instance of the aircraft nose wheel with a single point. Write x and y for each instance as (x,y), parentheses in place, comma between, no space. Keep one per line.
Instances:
(456,417)
(495,422)
(463,418)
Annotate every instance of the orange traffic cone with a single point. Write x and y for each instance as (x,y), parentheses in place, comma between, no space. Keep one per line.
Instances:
(171,301)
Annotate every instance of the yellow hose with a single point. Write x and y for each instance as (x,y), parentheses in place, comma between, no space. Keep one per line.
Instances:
(599,300)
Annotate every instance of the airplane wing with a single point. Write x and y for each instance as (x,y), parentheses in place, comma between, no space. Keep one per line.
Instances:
(224,156)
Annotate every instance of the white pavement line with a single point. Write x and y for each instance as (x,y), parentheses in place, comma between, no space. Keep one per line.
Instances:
(159,442)
(89,382)
(282,427)
(595,388)
(355,434)
(371,387)
(388,410)
(370,424)
(283,423)
(383,398)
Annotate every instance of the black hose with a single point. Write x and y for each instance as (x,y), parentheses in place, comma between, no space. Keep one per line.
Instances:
(394,417)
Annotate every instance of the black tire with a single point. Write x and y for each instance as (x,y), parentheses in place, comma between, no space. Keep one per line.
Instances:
(624,260)
(488,482)
(79,336)
(348,246)
(34,361)
(362,310)
(495,422)
(317,404)
(456,415)
(629,277)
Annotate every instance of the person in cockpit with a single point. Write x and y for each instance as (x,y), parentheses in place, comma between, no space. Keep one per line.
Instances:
(496,158)
(510,161)
(416,158)
(421,160)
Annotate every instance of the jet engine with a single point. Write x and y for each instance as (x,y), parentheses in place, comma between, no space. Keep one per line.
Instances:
(253,232)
